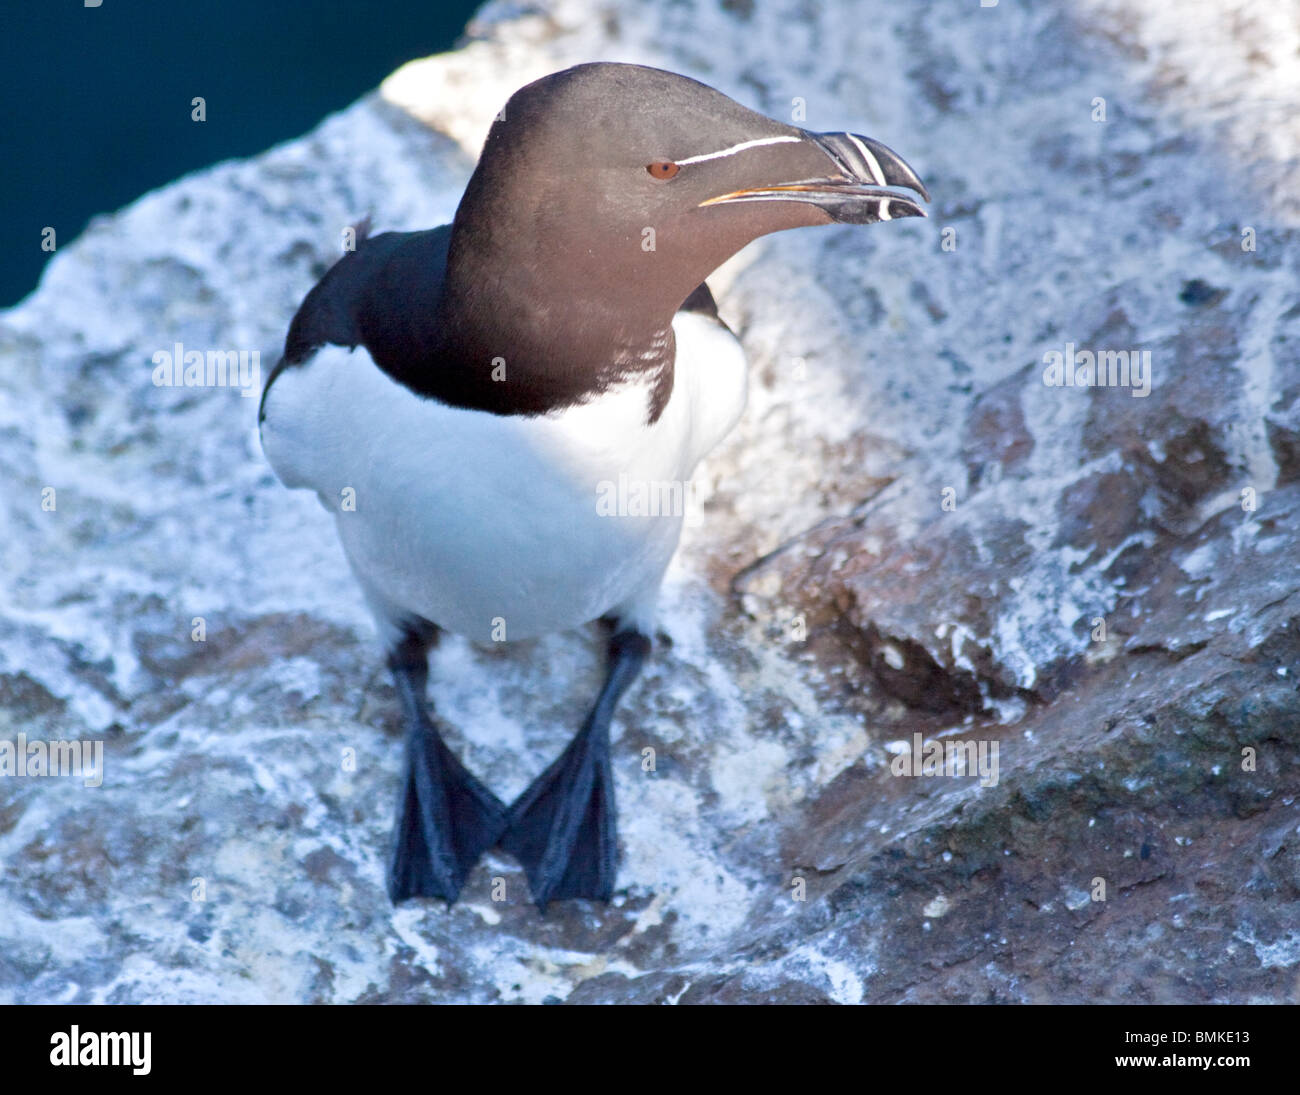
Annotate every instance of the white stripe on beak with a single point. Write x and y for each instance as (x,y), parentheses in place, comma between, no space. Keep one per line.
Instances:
(872,163)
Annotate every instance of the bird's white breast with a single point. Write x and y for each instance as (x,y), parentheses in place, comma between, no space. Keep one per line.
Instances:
(500,526)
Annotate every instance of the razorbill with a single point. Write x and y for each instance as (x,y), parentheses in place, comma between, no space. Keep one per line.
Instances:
(456,397)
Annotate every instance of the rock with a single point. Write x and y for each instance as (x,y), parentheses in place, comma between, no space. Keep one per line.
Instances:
(909,534)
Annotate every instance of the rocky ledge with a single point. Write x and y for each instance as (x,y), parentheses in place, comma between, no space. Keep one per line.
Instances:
(922,535)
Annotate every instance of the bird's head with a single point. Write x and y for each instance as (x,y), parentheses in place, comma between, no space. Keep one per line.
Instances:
(631,183)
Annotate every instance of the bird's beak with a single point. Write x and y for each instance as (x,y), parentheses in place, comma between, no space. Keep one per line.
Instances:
(854,189)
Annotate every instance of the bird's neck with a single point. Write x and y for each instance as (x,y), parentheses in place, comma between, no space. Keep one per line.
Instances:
(544,337)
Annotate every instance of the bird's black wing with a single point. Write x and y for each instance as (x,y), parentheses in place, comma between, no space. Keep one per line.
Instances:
(701,301)
(393,280)
(384,296)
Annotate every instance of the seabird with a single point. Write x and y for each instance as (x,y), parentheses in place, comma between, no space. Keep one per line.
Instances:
(457,397)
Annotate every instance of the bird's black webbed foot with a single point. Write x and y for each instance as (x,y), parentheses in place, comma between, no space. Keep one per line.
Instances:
(446,818)
(562,829)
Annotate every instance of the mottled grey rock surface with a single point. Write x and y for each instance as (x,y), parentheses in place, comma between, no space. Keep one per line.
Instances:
(909,533)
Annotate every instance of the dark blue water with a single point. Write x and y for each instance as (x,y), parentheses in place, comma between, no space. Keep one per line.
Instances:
(96,102)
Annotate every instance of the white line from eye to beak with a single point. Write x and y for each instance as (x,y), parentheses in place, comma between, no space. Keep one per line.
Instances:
(737,148)
(872,163)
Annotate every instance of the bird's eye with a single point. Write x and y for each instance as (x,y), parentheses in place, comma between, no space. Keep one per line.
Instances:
(663,169)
